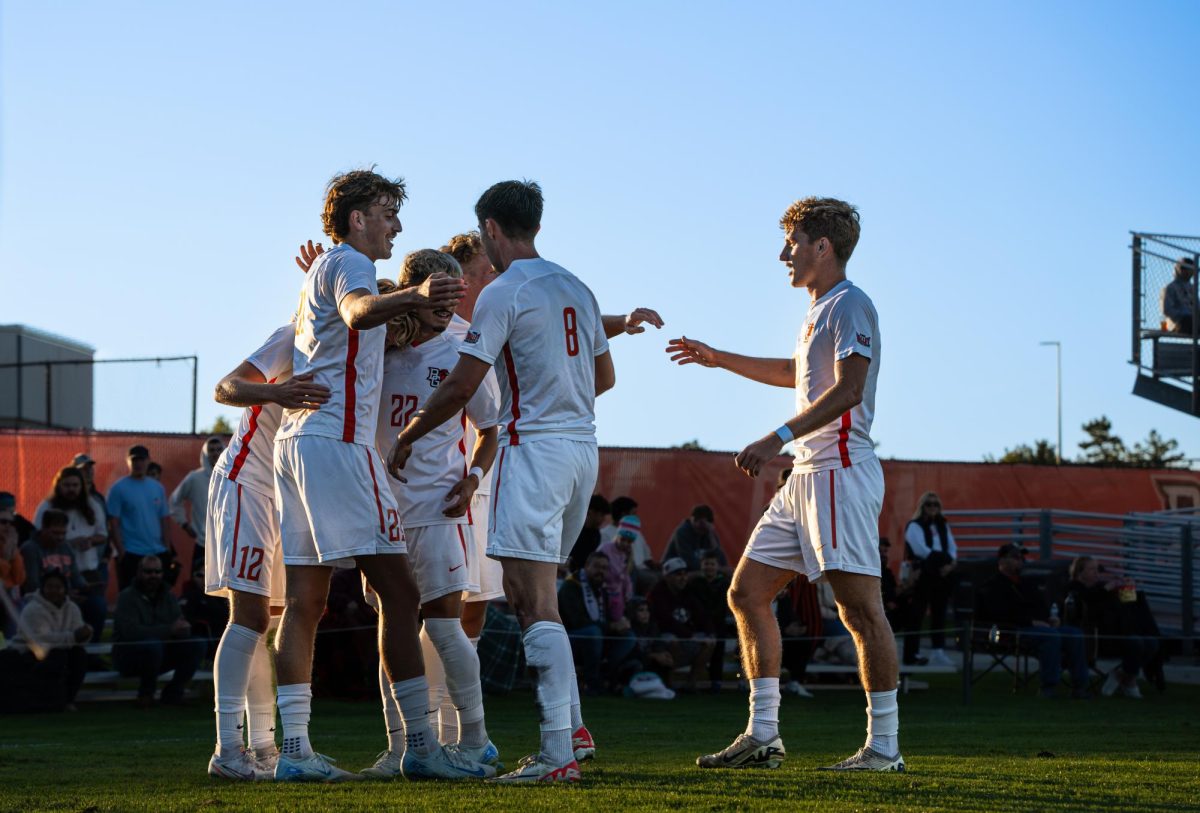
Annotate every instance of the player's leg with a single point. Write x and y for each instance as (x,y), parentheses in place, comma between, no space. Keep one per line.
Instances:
(460,663)
(260,703)
(306,592)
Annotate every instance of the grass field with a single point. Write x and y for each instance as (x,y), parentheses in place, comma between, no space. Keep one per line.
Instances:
(1005,752)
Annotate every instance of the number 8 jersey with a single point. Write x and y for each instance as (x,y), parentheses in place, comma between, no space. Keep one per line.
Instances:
(541,328)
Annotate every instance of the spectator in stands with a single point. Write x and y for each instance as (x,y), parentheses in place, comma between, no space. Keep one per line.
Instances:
(1111,607)
(619,552)
(86,533)
(154,471)
(48,550)
(23,527)
(798,610)
(51,635)
(87,466)
(207,614)
(589,537)
(645,569)
(710,587)
(694,537)
(12,573)
(651,650)
(600,642)
(151,636)
(1015,604)
(932,552)
(682,621)
(137,520)
(1179,297)
(189,500)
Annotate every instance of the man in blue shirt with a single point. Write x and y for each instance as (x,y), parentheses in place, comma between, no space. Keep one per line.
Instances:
(137,520)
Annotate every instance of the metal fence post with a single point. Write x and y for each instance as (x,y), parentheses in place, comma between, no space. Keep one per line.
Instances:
(1187,608)
(1045,534)
(1136,353)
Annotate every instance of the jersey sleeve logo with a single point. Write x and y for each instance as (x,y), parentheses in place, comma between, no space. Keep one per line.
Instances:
(436,376)
(863,339)
(472,337)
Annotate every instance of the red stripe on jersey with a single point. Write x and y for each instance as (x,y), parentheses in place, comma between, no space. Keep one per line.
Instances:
(462,540)
(496,494)
(240,460)
(833,508)
(237,525)
(375,485)
(514,439)
(351,380)
(843,438)
(462,449)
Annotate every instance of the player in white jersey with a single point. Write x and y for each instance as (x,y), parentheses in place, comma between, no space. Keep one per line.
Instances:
(541,329)
(328,476)
(825,521)
(242,553)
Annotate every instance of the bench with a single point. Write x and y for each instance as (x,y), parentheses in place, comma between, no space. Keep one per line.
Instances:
(111,677)
(1171,353)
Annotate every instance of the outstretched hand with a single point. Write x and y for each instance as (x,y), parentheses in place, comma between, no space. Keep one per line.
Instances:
(308,255)
(633,322)
(301,392)
(690,351)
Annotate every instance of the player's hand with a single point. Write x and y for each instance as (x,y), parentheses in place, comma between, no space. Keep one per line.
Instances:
(301,392)
(690,351)
(751,459)
(308,255)
(397,458)
(441,291)
(460,496)
(633,322)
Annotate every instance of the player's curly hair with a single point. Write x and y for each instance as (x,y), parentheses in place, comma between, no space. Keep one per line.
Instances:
(516,206)
(464,247)
(356,190)
(423,263)
(402,329)
(831,218)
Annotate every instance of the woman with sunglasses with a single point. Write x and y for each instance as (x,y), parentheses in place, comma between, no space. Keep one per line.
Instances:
(930,547)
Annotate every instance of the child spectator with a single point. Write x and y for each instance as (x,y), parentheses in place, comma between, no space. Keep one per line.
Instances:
(86,534)
(51,636)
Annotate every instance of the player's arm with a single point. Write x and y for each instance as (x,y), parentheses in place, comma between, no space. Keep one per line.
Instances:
(776,372)
(606,374)
(361,310)
(482,457)
(847,392)
(630,323)
(450,398)
(247,386)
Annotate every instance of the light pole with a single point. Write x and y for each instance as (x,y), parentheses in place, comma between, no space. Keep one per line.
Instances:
(1058,355)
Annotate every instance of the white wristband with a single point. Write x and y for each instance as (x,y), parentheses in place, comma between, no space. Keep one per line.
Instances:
(478,472)
(785,435)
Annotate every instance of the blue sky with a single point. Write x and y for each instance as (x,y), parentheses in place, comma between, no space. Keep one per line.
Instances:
(159,163)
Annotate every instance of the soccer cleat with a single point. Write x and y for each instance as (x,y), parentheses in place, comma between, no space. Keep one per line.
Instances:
(1132,691)
(487,754)
(387,766)
(267,758)
(241,766)
(1110,684)
(746,752)
(868,759)
(313,768)
(443,763)
(534,770)
(583,744)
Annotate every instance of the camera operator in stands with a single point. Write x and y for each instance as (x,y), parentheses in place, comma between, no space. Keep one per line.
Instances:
(1179,297)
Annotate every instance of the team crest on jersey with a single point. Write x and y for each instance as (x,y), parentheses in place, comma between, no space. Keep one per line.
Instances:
(808,331)
(436,376)
(865,341)
(472,337)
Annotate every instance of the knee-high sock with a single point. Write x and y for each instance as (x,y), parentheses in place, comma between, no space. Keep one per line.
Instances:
(435,676)
(883,722)
(548,651)
(231,675)
(260,700)
(461,664)
(295,710)
(391,714)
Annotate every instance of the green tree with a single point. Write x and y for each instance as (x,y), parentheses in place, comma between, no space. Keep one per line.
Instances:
(221,426)
(1040,454)
(1103,448)
(1157,452)
(691,445)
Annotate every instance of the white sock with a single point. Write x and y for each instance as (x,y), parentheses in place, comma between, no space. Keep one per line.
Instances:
(447,719)
(412,696)
(576,706)
(231,674)
(435,676)
(391,714)
(295,710)
(260,701)
(764,709)
(548,651)
(883,723)
(461,663)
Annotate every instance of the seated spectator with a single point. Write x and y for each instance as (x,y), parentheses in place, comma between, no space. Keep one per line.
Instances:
(710,587)
(154,471)
(645,569)
(619,551)
(1113,608)
(48,550)
(932,552)
(1179,297)
(601,643)
(798,610)
(651,650)
(86,532)
(207,614)
(23,526)
(1013,603)
(151,636)
(137,520)
(12,573)
(189,500)
(694,537)
(589,537)
(682,620)
(50,638)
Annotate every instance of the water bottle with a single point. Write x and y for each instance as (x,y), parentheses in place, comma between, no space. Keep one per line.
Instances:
(994,634)
(1054,612)
(1069,608)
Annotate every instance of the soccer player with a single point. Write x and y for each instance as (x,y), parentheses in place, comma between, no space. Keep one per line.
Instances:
(434,497)
(541,329)
(327,476)
(241,553)
(825,521)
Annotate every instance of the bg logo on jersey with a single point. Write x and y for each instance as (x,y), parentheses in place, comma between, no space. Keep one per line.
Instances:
(436,376)
(472,337)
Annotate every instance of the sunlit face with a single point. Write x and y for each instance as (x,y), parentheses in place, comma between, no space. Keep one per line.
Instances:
(69,488)
(489,245)
(477,273)
(799,255)
(433,320)
(380,225)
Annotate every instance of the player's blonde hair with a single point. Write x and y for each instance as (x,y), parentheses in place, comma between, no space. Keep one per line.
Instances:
(830,218)
(423,263)
(464,247)
(402,329)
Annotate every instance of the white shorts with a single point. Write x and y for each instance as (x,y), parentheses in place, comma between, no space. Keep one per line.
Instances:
(330,502)
(541,494)
(241,542)
(439,555)
(823,520)
(487,575)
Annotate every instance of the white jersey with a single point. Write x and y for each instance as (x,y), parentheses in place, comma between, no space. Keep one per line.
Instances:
(541,328)
(841,323)
(458,329)
(348,362)
(248,457)
(440,459)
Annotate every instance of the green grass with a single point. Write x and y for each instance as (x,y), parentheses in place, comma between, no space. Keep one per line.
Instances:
(1005,752)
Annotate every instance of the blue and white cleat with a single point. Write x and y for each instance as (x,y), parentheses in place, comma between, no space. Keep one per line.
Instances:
(443,763)
(487,754)
(387,766)
(313,768)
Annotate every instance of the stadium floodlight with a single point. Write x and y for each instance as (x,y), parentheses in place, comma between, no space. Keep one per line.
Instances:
(1058,353)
